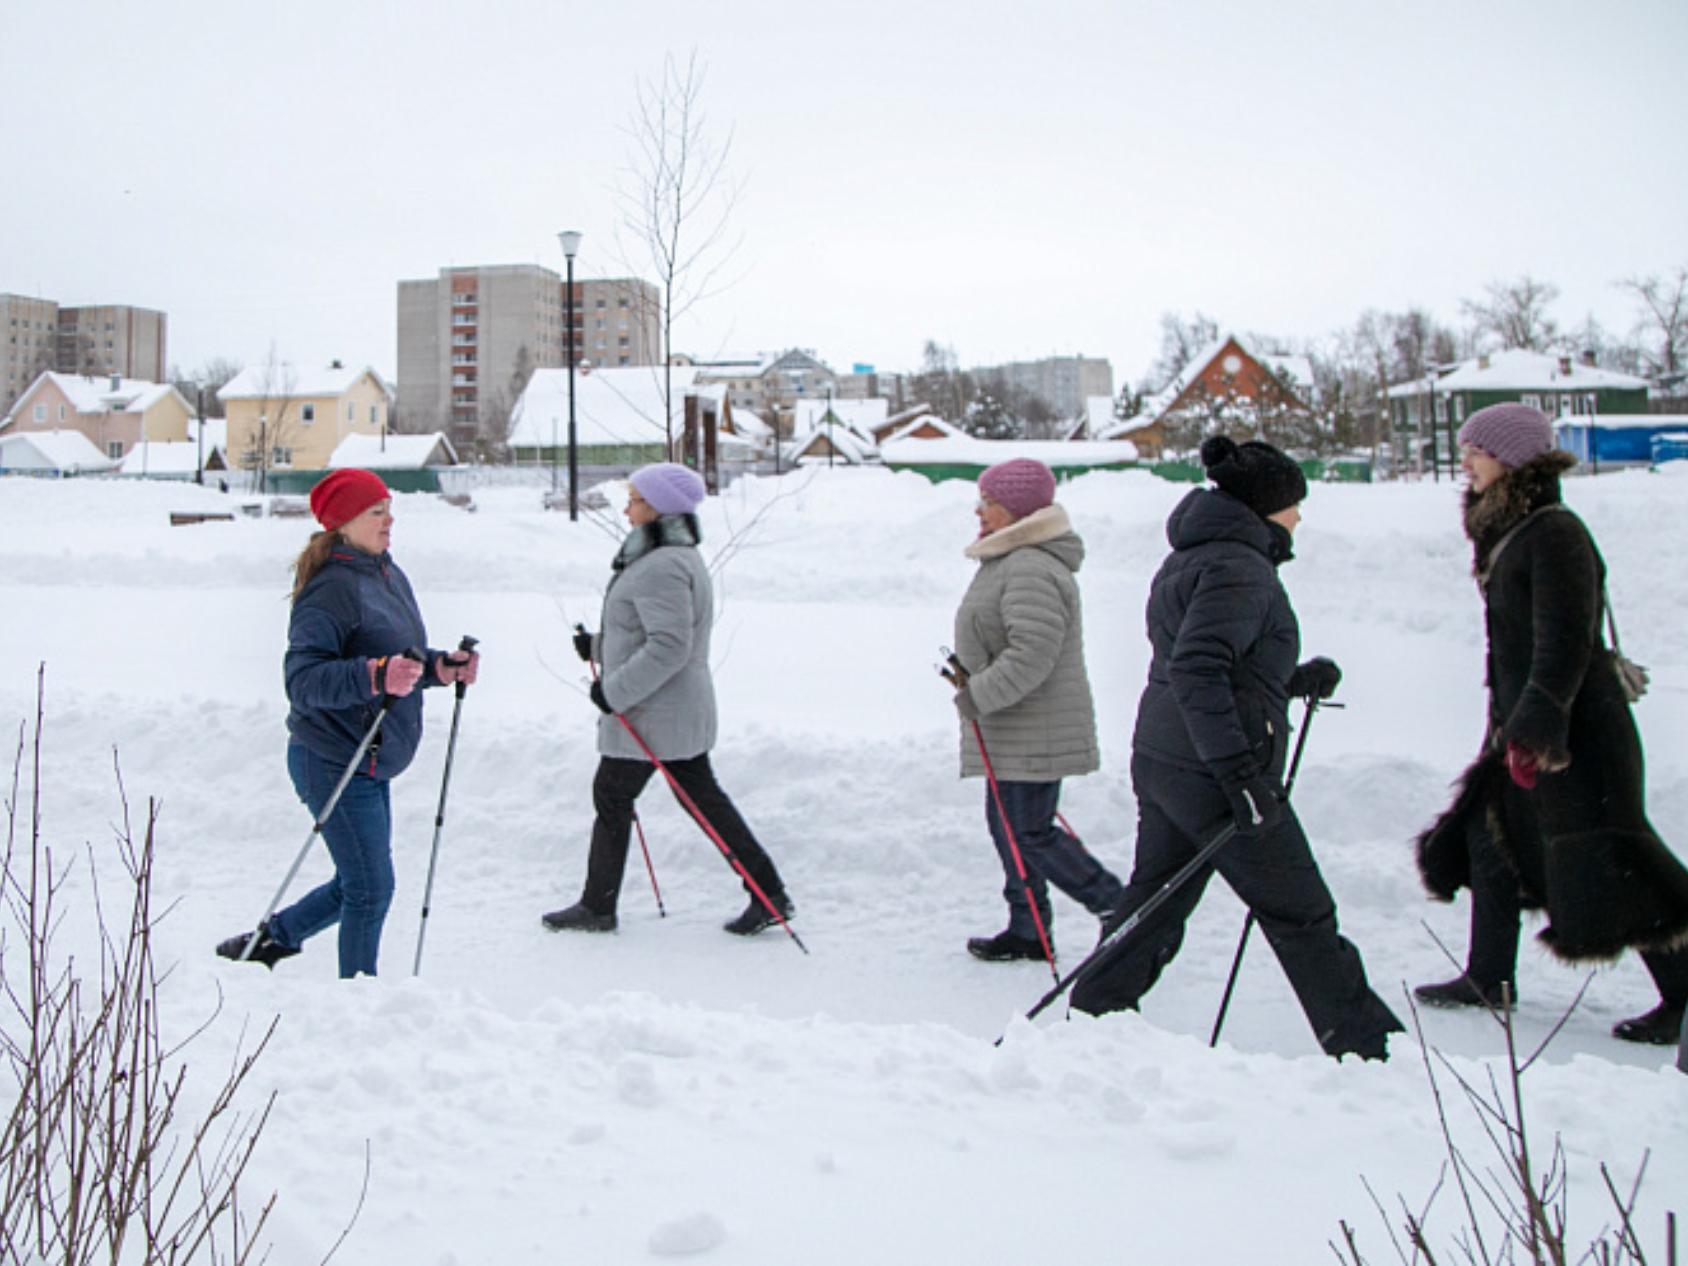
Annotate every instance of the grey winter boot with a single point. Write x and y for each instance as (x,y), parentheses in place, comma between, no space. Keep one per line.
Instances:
(579,918)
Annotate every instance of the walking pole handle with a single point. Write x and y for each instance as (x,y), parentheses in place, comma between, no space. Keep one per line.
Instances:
(466,647)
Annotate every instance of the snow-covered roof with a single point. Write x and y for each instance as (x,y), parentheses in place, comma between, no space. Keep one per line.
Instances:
(286,381)
(1098,414)
(1518,370)
(392,452)
(922,422)
(1299,370)
(750,425)
(847,444)
(165,457)
(68,451)
(612,406)
(860,415)
(216,432)
(94,393)
(969,450)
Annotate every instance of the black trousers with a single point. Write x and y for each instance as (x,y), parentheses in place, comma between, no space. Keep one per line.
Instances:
(1496,910)
(614,789)
(1273,872)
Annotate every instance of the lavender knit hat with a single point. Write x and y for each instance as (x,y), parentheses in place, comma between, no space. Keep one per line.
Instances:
(1510,433)
(668,487)
(1019,485)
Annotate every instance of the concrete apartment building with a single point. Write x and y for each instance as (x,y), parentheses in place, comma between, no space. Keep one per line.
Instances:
(1064,383)
(104,339)
(469,338)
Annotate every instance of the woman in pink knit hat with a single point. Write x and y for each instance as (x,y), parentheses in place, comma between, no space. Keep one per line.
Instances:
(1552,814)
(1019,635)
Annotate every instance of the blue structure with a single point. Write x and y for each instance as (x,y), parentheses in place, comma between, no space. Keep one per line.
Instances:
(1621,439)
(1670,446)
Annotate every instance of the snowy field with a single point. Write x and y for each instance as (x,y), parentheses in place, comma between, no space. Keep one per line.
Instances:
(670,1090)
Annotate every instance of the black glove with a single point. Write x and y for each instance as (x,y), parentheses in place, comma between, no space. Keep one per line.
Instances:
(1317,679)
(597,696)
(583,644)
(1256,801)
(964,704)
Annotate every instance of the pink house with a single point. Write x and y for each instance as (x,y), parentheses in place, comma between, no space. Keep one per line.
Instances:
(114,413)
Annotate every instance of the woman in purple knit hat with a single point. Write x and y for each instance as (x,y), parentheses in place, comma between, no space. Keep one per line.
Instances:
(1552,814)
(1019,635)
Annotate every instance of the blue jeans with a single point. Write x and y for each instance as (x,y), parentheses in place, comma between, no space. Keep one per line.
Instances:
(359,838)
(1052,856)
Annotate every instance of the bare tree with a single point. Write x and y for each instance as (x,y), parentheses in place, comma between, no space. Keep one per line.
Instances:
(277,418)
(676,202)
(941,384)
(1664,320)
(1180,341)
(1515,313)
(210,378)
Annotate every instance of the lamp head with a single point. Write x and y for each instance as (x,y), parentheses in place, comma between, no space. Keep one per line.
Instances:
(571,242)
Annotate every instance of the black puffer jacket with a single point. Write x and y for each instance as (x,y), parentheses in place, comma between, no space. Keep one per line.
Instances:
(1580,842)
(1225,642)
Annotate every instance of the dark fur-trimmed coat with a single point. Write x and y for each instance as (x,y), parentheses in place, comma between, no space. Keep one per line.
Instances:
(1580,842)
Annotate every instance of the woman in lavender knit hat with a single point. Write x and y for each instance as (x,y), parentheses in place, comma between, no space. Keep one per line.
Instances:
(1552,813)
(1019,636)
(653,653)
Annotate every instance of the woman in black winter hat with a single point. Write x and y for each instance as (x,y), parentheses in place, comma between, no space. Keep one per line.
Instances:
(1552,813)
(1212,734)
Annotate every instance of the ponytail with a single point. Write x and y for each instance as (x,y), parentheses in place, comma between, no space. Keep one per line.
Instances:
(311,560)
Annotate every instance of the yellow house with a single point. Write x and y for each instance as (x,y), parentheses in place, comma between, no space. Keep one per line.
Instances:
(114,413)
(282,417)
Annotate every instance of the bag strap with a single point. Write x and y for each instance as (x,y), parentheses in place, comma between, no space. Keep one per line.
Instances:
(1611,620)
(1500,545)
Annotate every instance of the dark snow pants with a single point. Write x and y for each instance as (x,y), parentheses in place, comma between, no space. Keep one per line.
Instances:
(1052,856)
(615,788)
(1496,910)
(1273,873)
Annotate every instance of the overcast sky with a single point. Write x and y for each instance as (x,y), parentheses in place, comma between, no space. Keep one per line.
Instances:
(1015,180)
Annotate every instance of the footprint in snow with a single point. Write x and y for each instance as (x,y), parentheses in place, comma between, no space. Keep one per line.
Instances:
(688,1236)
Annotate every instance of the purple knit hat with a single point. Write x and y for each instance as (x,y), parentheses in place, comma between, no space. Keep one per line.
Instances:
(668,487)
(1510,433)
(1019,485)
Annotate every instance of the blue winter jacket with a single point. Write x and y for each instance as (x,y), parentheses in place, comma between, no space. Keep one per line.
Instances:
(357,608)
(1225,642)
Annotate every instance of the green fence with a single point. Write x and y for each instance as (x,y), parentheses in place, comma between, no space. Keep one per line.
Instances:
(298,482)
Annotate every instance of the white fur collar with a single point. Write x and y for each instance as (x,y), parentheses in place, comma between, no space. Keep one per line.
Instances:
(1036,528)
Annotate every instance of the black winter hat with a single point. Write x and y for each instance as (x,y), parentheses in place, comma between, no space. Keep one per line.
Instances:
(1256,474)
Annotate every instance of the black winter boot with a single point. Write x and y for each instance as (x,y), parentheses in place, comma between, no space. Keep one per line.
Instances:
(1462,991)
(579,918)
(1661,1026)
(756,918)
(267,951)
(1004,947)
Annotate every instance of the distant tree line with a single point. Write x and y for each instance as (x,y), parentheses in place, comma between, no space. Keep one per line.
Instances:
(1352,367)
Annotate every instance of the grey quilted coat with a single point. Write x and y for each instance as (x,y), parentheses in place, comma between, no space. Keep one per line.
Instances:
(1020,634)
(654,649)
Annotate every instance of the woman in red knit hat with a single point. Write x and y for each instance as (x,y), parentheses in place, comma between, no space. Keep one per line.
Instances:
(355,638)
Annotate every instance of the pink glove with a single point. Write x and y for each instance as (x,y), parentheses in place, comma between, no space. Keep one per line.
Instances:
(396,674)
(1521,765)
(456,667)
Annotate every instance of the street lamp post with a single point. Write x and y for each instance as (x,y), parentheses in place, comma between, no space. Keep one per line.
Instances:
(571,244)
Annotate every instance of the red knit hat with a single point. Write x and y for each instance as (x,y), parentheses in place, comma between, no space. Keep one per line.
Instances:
(342,495)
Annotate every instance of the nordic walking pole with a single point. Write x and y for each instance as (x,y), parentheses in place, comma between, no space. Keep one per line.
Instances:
(1313,705)
(1220,838)
(957,676)
(661,910)
(387,702)
(709,829)
(465,648)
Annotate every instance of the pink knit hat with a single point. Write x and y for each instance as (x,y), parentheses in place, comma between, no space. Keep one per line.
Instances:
(1019,485)
(1510,433)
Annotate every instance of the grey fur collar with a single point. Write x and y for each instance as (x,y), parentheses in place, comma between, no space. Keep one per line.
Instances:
(1036,528)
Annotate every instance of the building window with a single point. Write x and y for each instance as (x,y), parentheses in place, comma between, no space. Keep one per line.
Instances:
(1565,405)
(351,411)
(1588,403)
(281,455)
(114,449)
(61,413)
(1459,408)
(374,415)
(307,413)
(40,413)
(1533,400)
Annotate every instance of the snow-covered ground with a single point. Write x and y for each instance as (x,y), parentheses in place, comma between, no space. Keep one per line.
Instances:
(672,1090)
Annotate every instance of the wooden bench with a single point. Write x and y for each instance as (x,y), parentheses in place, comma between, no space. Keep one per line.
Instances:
(180,518)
